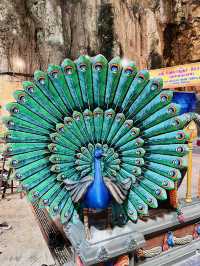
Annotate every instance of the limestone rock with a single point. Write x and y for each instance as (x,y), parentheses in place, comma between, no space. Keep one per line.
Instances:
(154,33)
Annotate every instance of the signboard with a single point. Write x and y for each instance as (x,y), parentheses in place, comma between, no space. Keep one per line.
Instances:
(178,76)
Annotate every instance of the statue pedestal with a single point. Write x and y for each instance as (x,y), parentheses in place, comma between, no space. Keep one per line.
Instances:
(107,244)
(104,244)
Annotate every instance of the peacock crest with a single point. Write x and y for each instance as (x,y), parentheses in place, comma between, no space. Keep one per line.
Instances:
(95,133)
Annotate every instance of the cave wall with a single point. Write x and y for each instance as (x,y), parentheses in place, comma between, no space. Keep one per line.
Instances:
(154,33)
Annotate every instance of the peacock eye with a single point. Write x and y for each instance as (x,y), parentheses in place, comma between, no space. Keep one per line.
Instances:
(98,66)
(36,194)
(180,136)
(171,110)
(138,152)
(164,98)
(137,143)
(57,168)
(78,117)
(56,208)
(176,162)
(54,73)
(109,115)
(10,123)
(134,171)
(158,192)
(150,200)
(165,183)
(128,71)
(61,129)
(140,78)
(41,80)
(55,138)
(68,70)
(133,132)
(30,89)
(114,68)
(154,87)
(15,110)
(18,176)
(68,123)
(128,125)
(140,207)
(137,161)
(14,162)
(45,201)
(9,149)
(7,136)
(172,173)
(83,67)
(180,149)
(53,149)
(176,122)
(22,98)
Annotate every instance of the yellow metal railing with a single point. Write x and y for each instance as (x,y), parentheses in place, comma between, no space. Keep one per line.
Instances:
(192,130)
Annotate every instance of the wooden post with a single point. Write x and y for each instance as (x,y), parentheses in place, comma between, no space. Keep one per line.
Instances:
(192,130)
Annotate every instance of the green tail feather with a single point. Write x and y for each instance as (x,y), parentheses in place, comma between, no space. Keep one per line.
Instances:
(59,120)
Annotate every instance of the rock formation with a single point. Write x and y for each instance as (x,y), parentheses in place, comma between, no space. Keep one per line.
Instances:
(154,33)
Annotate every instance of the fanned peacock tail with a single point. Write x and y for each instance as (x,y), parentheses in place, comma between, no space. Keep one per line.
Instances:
(59,120)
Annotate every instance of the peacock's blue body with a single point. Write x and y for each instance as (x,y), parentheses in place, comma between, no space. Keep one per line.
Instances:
(97,195)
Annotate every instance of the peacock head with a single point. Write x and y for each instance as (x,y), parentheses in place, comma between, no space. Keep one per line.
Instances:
(98,153)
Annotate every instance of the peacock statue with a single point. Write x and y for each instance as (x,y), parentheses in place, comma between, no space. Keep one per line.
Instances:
(96,135)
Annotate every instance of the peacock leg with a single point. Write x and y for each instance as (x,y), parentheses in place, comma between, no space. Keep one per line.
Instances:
(86,223)
(109,218)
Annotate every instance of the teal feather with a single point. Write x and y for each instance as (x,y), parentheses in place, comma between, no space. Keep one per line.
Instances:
(19,111)
(37,94)
(58,80)
(161,100)
(71,77)
(99,75)
(127,75)
(32,105)
(113,76)
(84,69)
(46,86)
(135,89)
(32,181)
(152,88)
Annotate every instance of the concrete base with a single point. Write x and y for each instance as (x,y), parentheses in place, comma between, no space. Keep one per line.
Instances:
(108,244)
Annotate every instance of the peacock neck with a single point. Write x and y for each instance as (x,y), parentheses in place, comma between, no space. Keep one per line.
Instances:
(97,195)
(97,170)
